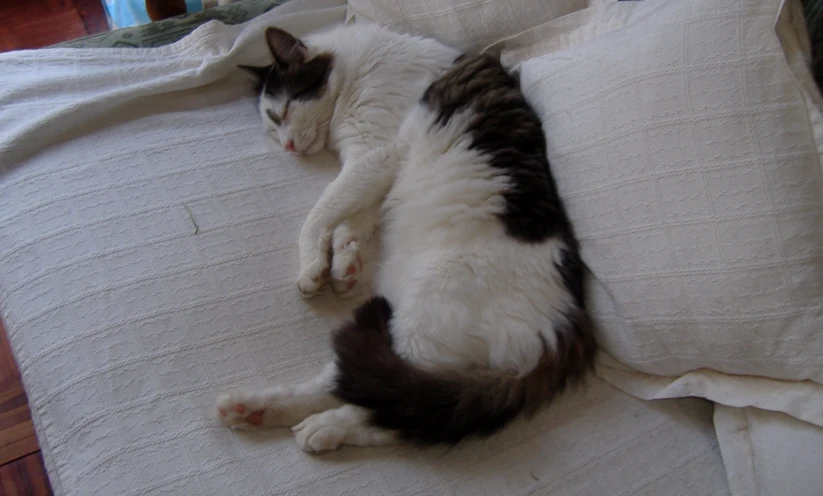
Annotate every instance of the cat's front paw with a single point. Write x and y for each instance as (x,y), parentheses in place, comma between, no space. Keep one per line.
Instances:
(313,278)
(319,433)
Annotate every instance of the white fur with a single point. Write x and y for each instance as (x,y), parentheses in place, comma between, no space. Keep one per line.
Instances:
(348,424)
(377,77)
(279,406)
(463,292)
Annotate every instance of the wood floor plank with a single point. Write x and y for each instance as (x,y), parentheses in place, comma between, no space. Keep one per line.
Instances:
(8,367)
(17,438)
(19,441)
(12,403)
(93,15)
(25,477)
(40,32)
(21,467)
(39,23)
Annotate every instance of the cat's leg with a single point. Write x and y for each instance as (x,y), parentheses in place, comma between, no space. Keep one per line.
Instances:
(347,260)
(361,186)
(282,406)
(348,424)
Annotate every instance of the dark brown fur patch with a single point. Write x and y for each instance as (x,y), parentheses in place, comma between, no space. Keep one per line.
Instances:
(303,81)
(428,408)
(291,75)
(507,130)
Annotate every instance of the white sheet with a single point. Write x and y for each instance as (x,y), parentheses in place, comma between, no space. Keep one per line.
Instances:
(769,452)
(147,262)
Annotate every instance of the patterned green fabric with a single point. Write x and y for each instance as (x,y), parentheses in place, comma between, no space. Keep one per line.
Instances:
(170,30)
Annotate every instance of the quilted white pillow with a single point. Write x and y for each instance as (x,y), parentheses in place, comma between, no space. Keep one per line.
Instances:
(684,148)
(464,24)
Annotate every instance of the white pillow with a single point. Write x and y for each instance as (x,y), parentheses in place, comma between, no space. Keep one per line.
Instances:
(463,24)
(684,149)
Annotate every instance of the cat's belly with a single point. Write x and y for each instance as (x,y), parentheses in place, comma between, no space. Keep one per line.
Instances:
(463,291)
(483,303)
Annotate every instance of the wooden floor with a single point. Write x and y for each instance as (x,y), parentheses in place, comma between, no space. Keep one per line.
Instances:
(40,23)
(32,24)
(21,466)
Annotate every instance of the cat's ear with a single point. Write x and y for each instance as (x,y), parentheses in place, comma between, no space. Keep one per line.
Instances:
(259,73)
(313,77)
(285,48)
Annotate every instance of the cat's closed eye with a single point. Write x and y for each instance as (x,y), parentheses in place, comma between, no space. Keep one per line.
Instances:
(274,118)
(286,112)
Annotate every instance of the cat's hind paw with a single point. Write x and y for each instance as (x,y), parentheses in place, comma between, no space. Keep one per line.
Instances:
(239,413)
(346,268)
(252,410)
(319,433)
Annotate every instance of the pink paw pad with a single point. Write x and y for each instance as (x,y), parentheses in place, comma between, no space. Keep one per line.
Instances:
(255,418)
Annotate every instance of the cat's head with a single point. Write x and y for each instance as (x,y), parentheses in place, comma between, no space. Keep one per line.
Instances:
(296,97)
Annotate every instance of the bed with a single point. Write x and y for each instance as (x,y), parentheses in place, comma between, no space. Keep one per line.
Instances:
(148,257)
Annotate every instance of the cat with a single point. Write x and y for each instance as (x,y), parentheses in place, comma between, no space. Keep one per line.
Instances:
(481,314)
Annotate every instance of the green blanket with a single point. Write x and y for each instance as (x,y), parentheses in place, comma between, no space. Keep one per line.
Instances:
(170,30)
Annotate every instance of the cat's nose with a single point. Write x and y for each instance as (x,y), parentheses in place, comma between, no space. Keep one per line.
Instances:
(290,146)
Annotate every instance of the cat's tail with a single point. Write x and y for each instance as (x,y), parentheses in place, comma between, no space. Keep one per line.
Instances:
(444,407)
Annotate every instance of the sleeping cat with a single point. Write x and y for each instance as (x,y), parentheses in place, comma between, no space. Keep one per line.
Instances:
(481,314)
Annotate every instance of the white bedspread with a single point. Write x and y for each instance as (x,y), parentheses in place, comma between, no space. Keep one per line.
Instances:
(147,262)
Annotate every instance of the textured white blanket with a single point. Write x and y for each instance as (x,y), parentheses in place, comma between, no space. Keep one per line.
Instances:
(147,261)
